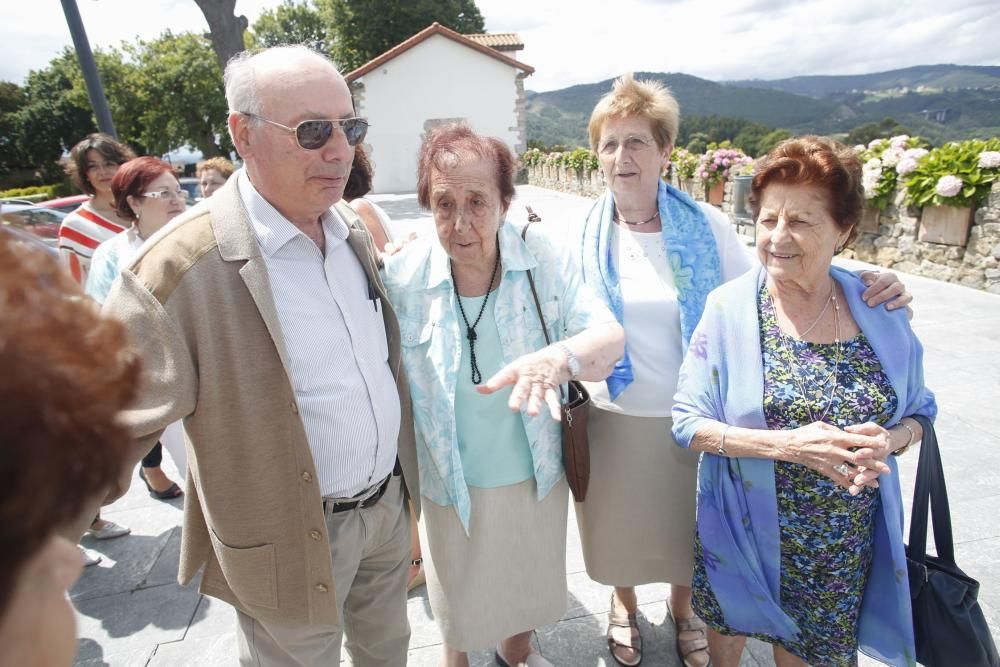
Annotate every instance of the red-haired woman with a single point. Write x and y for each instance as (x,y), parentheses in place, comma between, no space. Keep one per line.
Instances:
(47,366)
(147,193)
(92,165)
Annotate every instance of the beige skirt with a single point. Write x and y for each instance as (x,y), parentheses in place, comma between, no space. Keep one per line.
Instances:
(508,575)
(638,521)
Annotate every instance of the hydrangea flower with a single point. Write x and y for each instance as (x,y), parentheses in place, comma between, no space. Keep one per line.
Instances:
(989,160)
(908,162)
(948,186)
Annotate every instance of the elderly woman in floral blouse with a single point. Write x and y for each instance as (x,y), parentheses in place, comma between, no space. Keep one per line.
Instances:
(485,403)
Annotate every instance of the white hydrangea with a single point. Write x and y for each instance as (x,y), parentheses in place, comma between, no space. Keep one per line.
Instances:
(908,162)
(989,160)
(948,186)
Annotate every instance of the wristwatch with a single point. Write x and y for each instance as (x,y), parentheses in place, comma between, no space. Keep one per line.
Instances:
(572,363)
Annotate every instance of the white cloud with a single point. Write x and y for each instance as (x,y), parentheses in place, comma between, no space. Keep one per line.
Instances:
(570,42)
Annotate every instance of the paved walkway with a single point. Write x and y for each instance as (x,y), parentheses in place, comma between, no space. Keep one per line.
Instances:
(133,612)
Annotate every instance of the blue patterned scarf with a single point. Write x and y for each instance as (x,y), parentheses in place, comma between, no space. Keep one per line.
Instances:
(691,250)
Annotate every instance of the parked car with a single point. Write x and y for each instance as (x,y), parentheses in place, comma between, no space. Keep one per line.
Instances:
(43,223)
(65,204)
(190,185)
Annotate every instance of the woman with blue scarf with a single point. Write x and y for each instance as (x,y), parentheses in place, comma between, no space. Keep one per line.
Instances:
(797,393)
(653,254)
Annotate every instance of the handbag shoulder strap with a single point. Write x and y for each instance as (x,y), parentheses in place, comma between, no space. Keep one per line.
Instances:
(930,494)
(534,293)
(538,304)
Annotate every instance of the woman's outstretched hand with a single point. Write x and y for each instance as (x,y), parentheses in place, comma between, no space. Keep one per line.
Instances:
(535,377)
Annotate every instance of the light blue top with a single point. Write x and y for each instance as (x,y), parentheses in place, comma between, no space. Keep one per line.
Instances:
(108,261)
(491,439)
(722,381)
(419,284)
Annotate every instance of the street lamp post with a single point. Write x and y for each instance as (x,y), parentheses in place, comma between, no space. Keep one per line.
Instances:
(86,57)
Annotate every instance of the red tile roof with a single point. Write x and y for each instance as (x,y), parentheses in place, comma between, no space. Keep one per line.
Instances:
(426,33)
(501,41)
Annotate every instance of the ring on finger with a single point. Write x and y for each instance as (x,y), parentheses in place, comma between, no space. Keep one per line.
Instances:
(842,469)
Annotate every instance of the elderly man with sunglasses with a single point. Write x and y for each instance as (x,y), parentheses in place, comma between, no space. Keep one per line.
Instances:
(264,326)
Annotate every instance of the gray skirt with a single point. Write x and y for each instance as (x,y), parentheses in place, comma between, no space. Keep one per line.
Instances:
(508,575)
(637,524)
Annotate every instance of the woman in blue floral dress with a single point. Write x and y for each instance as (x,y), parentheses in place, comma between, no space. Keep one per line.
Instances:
(797,394)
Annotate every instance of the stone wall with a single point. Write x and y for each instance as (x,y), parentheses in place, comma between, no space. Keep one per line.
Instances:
(891,242)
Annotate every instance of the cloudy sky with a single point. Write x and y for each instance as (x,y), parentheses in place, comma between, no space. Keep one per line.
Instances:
(582,41)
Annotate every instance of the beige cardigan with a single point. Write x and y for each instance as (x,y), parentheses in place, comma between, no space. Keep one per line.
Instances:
(197,303)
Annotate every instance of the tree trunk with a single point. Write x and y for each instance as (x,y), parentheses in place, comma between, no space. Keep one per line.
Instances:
(225,28)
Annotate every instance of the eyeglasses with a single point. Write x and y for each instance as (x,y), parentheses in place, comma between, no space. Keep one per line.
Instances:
(166,194)
(312,135)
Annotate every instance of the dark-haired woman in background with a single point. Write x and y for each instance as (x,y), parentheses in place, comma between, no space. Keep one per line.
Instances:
(92,165)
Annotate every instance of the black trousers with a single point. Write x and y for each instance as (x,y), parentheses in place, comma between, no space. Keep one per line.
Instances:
(154,457)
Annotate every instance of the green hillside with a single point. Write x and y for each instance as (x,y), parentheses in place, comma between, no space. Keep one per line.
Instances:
(939,102)
(939,77)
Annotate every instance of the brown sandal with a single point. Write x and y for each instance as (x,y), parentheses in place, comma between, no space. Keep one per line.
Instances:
(617,623)
(695,641)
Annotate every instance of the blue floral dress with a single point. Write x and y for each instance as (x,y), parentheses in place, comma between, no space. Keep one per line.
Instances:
(826,534)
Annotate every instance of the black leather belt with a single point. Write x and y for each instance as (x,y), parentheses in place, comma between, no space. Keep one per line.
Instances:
(363,500)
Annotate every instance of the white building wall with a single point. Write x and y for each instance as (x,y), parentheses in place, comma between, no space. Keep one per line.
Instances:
(436,79)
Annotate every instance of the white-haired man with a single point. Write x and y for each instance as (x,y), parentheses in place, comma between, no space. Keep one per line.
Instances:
(263,324)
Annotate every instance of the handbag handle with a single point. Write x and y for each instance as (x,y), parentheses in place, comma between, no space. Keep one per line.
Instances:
(930,493)
(534,295)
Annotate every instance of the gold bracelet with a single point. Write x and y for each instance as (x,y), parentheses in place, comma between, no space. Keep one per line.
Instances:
(721,449)
(913,436)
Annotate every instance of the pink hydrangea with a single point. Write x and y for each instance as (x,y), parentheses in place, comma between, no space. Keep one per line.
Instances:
(948,186)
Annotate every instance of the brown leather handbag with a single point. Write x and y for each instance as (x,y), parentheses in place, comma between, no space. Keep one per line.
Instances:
(575,407)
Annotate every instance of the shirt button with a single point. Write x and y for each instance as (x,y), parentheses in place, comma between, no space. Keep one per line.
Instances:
(321,588)
(295,408)
(316,535)
(306,477)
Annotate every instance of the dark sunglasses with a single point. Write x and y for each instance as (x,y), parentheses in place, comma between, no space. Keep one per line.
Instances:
(312,135)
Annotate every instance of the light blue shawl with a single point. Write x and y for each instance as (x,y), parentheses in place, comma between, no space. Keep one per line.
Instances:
(691,250)
(722,380)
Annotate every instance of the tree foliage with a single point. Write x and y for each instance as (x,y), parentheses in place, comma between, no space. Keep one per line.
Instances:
(163,93)
(179,95)
(364,29)
(884,129)
(292,22)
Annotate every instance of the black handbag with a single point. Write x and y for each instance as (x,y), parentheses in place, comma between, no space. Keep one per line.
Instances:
(575,407)
(948,625)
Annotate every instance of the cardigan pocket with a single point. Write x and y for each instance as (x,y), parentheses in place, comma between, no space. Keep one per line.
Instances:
(250,572)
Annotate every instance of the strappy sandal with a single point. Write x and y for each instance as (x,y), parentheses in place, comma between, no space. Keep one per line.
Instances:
(616,624)
(695,641)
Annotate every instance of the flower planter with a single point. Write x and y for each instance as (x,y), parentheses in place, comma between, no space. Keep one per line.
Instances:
(716,193)
(869,221)
(948,225)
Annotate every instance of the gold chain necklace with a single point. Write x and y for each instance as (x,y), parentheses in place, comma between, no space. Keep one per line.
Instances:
(790,358)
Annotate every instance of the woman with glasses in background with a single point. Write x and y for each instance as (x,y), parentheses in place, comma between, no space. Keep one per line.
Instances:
(147,194)
(91,167)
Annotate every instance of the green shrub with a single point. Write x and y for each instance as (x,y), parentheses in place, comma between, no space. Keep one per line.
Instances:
(955,174)
(38,192)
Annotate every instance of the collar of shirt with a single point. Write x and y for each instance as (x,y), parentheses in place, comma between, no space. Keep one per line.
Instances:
(273,230)
(514,254)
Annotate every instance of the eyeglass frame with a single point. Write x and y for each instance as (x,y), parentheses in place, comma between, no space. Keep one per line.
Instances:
(337,123)
(166,194)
